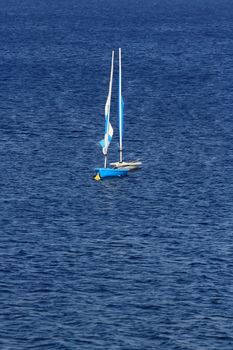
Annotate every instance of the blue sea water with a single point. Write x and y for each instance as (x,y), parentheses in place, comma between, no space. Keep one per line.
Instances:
(142,262)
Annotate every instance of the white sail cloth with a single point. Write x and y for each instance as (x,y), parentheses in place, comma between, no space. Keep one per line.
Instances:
(108,132)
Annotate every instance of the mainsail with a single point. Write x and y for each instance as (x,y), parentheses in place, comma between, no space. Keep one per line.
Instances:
(108,132)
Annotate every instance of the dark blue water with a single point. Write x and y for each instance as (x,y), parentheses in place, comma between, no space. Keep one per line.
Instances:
(143,262)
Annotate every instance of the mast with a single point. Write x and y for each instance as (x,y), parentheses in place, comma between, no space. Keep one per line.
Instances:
(108,126)
(120,107)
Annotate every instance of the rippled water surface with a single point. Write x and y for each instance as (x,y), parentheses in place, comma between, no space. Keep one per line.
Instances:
(142,262)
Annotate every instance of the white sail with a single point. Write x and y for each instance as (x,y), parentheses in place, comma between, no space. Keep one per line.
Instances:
(108,133)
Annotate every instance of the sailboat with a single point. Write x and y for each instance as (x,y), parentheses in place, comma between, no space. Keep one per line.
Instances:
(101,173)
(132,165)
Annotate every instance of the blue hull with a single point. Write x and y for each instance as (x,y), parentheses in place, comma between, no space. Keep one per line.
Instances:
(108,172)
